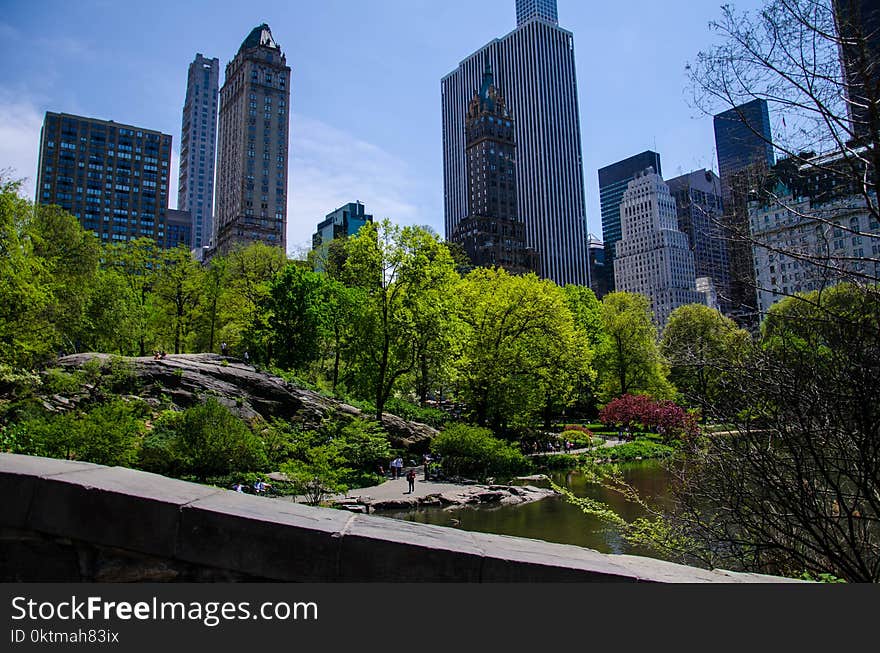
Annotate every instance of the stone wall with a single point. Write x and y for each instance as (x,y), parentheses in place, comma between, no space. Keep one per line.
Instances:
(71,521)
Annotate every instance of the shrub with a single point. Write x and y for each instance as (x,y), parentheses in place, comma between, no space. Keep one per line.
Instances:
(470,451)
(58,381)
(202,441)
(641,449)
(580,438)
(415,413)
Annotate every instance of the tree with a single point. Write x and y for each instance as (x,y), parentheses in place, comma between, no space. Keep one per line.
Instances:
(698,342)
(405,274)
(629,358)
(136,263)
(815,63)
(249,273)
(474,452)
(178,292)
(296,315)
(795,486)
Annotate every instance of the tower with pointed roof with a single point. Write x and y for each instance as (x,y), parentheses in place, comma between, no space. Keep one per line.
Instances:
(492,233)
(252,148)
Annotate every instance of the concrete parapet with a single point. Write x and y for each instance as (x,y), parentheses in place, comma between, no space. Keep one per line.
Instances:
(72,521)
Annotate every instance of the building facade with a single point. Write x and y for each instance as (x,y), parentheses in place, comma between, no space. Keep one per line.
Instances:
(613,181)
(812,228)
(601,273)
(198,145)
(252,151)
(526,10)
(112,177)
(535,66)
(743,142)
(653,256)
(492,234)
(343,222)
(858,23)
(700,213)
(178,229)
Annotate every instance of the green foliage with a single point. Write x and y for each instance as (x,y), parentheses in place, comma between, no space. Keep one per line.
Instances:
(296,315)
(629,358)
(202,441)
(472,452)
(640,449)
(699,343)
(107,434)
(415,413)
(317,475)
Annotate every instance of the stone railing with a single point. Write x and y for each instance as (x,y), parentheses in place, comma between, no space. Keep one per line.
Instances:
(71,521)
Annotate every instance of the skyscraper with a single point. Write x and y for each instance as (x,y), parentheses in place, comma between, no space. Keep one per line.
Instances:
(858,22)
(743,142)
(535,67)
(492,234)
(528,9)
(613,180)
(653,256)
(198,144)
(112,177)
(252,145)
(700,210)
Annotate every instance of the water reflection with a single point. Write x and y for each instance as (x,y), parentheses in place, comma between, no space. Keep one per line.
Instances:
(556,520)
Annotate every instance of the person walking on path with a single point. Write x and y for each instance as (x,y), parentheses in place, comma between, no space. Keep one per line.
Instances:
(426,461)
(411,479)
(396,467)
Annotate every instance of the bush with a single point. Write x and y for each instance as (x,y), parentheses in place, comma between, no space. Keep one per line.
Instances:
(202,441)
(641,449)
(469,451)
(580,438)
(108,434)
(415,413)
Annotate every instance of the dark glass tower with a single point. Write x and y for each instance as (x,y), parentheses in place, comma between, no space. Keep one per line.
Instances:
(743,142)
(613,181)
(252,145)
(492,234)
(858,23)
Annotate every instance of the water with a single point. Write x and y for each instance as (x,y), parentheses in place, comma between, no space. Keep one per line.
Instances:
(554,519)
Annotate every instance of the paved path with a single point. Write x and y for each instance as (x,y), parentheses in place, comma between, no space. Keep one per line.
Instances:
(574,452)
(399,488)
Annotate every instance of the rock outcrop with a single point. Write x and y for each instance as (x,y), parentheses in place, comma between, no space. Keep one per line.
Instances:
(185,379)
(465,496)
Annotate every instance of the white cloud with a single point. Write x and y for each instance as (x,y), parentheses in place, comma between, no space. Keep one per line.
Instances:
(330,167)
(20,123)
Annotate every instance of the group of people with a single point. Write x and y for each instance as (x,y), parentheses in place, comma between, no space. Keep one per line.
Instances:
(396,466)
(260,487)
(159,355)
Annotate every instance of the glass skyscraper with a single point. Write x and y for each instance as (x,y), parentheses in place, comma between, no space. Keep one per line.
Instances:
(743,142)
(535,66)
(528,9)
(112,177)
(198,143)
(613,180)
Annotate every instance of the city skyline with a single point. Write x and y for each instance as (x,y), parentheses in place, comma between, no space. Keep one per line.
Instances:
(371,149)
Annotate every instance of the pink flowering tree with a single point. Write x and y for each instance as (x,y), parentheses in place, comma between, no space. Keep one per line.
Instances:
(642,412)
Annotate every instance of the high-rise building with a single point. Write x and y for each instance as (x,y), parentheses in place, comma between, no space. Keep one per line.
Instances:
(653,256)
(601,273)
(700,211)
(543,9)
(178,229)
(535,66)
(343,222)
(252,145)
(492,234)
(858,23)
(113,177)
(613,180)
(743,142)
(198,144)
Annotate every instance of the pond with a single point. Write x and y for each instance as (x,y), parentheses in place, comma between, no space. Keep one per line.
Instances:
(554,519)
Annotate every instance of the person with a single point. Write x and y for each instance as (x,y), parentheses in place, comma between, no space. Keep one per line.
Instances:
(223,348)
(247,357)
(238,487)
(411,479)
(396,467)
(426,461)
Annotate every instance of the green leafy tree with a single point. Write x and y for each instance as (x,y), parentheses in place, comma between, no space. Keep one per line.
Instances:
(403,271)
(177,294)
(520,353)
(318,475)
(296,311)
(469,451)
(699,342)
(136,263)
(629,357)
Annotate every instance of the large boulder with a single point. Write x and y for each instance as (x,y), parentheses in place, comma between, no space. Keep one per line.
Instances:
(187,378)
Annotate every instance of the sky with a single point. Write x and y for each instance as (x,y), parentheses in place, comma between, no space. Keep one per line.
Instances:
(365,85)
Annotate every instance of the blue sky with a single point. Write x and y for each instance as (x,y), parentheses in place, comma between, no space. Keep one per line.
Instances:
(365,90)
